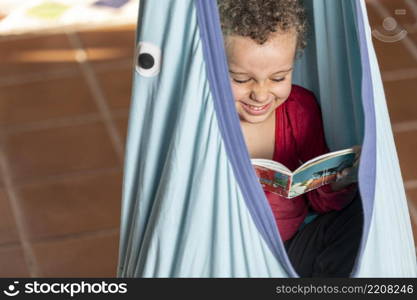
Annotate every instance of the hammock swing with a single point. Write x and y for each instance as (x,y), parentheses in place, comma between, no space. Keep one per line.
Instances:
(192,205)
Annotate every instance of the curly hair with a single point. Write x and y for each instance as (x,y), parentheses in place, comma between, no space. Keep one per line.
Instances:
(257,19)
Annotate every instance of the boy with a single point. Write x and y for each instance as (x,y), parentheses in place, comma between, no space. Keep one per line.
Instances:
(282,121)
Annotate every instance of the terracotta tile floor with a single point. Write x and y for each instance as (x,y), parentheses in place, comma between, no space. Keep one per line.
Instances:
(64,103)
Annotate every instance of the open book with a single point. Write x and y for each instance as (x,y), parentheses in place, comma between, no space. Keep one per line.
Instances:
(276,178)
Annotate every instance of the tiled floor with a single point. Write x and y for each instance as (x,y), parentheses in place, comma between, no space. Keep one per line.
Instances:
(64,103)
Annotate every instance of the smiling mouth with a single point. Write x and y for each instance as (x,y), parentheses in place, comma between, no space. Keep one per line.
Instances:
(256,110)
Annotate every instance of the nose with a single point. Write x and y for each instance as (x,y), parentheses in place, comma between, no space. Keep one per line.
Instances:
(260,93)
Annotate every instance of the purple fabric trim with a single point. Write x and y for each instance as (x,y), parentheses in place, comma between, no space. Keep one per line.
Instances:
(229,125)
(367,170)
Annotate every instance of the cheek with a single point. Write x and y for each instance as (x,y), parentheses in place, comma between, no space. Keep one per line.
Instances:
(283,90)
(239,92)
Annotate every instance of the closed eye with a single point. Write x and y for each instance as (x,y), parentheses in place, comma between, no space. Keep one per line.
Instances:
(241,81)
(278,80)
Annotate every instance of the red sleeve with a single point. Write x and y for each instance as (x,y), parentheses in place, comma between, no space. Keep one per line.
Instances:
(310,142)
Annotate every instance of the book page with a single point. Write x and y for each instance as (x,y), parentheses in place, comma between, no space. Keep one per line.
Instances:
(323,157)
(320,173)
(272,181)
(271,164)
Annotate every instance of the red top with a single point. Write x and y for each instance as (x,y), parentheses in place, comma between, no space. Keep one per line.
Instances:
(299,135)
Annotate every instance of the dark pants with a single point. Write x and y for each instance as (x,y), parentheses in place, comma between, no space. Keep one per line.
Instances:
(328,245)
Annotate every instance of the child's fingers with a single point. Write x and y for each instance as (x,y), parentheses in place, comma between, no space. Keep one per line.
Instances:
(356,163)
(357,149)
(346,172)
(357,157)
(342,174)
(348,175)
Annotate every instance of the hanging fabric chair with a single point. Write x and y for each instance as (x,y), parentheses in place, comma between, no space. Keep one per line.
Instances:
(192,205)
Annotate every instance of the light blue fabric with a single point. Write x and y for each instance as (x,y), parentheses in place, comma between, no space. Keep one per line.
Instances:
(191,206)
(388,250)
(183,212)
(331,68)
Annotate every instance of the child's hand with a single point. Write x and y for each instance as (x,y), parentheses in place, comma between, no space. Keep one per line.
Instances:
(349,175)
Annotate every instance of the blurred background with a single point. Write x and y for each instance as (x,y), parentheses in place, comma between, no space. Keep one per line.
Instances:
(65,83)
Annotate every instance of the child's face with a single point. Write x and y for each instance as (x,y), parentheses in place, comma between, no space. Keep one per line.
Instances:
(260,74)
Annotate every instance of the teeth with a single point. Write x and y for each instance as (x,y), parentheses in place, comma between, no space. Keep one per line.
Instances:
(256,107)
